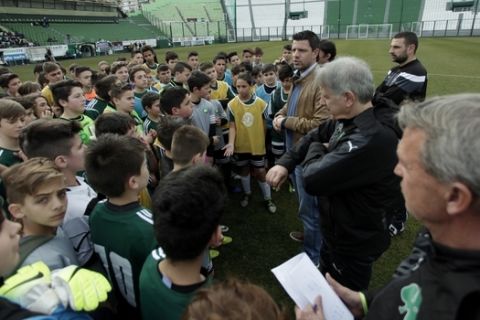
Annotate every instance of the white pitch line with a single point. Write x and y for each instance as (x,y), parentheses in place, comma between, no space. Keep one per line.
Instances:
(442,75)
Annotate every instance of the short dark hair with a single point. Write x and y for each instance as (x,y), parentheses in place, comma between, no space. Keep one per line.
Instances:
(219,57)
(269,67)
(184,225)
(162,67)
(410,38)
(328,47)
(181,66)
(192,54)
(205,65)
(111,160)
(114,122)
(149,48)
(247,77)
(6,78)
(49,138)
(149,99)
(28,87)
(287,47)
(231,54)
(257,70)
(285,71)
(170,55)
(258,51)
(118,89)
(187,142)
(310,36)
(81,69)
(61,90)
(172,98)
(249,50)
(197,80)
(38,68)
(167,125)
(10,109)
(247,66)
(104,85)
(236,70)
(27,102)
(134,52)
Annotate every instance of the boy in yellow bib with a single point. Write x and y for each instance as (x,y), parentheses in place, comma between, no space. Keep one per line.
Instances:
(247,138)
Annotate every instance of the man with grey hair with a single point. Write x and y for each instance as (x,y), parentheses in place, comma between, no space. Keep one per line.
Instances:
(438,163)
(348,163)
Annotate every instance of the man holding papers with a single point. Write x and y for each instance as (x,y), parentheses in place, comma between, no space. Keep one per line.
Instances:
(438,163)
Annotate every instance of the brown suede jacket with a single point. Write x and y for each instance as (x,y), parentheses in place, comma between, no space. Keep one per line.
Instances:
(310,111)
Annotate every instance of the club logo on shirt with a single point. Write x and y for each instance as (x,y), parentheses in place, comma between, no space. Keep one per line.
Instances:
(411,295)
(247,119)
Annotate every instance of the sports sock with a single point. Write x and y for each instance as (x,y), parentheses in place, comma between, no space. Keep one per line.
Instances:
(246,184)
(265,187)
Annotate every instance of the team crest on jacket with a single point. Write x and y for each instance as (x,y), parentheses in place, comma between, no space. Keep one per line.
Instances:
(411,295)
(247,119)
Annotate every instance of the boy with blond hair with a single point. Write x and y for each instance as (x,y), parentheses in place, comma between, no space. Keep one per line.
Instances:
(35,292)
(36,193)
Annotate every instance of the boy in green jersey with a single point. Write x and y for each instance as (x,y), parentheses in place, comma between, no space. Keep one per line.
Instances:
(184,228)
(122,230)
(151,105)
(68,94)
(102,89)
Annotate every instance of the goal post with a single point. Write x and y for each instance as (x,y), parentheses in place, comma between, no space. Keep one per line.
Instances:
(369,31)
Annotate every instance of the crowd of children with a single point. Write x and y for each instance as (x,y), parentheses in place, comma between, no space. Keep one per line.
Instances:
(86,157)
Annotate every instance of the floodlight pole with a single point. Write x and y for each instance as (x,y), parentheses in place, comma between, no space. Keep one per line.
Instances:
(474,17)
(339,17)
(401,17)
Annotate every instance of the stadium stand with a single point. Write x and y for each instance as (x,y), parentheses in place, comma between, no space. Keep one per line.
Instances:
(264,20)
(181,19)
(88,32)
(12,39)
(57,22)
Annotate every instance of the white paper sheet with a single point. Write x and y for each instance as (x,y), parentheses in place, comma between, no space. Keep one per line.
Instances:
(303,283)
